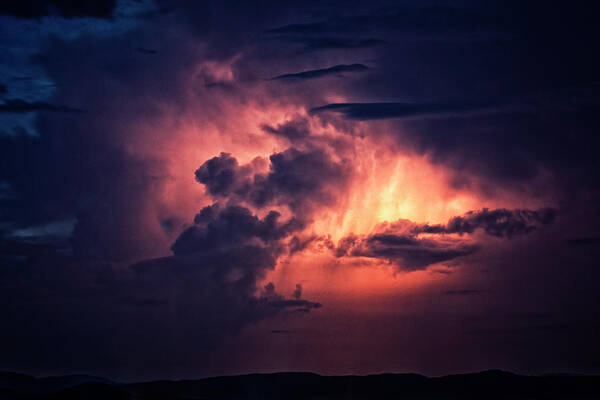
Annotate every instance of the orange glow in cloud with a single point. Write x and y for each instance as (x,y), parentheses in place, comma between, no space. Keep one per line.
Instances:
(385,185)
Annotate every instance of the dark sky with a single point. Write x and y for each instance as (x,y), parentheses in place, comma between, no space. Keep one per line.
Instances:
(195,188)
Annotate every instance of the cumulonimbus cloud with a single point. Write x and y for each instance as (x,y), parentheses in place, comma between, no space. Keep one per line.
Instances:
(296,178)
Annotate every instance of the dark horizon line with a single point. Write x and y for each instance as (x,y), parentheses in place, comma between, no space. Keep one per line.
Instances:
(250,374)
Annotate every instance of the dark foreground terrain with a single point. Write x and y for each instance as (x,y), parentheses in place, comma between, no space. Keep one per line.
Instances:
(483,385)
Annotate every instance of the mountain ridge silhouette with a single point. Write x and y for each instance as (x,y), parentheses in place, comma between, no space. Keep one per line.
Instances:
(489,384)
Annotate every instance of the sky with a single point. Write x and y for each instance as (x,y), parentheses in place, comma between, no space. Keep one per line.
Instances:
(193,189)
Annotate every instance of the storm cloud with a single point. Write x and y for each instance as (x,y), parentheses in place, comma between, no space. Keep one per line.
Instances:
(372,111)
(408,252)
(319,73)
(403,243)
(164,205)
(175,308)
(296,178)
(294,130)
(501,223)
(232,226)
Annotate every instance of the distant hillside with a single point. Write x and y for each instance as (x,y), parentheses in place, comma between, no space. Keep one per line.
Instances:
(483,385)
(29,385)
